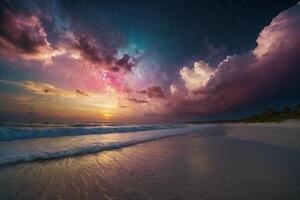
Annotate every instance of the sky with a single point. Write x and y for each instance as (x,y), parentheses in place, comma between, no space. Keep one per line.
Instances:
(140,61)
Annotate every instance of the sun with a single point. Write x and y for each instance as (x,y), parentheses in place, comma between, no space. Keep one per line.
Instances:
(107,116)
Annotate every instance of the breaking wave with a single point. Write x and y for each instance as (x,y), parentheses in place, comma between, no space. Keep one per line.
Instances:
(57,147)
(17,133)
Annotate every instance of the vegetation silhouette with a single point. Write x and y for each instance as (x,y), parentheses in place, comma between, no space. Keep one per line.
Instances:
(272,115)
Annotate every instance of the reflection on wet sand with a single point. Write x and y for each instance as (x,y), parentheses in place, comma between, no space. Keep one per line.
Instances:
(207,166)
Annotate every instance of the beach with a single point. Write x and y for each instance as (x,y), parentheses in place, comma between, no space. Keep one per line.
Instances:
(224,161)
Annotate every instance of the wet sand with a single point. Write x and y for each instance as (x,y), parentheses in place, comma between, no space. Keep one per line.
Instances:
(284,134)
(216,163)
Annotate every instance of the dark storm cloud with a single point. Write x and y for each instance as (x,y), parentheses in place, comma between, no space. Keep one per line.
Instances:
(153,92)
(23,33)
(91,51)
(88,49)
(268,72)
(125,63)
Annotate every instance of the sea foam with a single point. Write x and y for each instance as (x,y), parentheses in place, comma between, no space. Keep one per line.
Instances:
(57,147)
(17,133)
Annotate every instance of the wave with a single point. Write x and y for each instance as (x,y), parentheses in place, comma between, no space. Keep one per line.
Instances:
(50,148)
(17,133)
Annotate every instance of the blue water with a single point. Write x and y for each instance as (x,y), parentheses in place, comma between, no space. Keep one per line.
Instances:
(16,131)
(22,143)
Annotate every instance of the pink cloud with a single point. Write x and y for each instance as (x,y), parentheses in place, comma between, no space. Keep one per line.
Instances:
(242,79)
(23,35)
(73,58)
(135,100)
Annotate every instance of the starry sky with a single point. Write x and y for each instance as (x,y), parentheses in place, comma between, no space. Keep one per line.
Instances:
(113,60)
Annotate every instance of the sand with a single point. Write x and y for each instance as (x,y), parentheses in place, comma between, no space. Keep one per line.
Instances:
(285,134)
(218,163)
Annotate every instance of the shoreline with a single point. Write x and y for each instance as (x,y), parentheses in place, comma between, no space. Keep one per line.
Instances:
(28,150)
(286,136)
(209,164)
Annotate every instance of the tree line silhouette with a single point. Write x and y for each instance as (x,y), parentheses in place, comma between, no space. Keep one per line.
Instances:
(273,115)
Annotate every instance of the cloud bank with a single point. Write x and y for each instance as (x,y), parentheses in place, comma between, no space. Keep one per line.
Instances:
(24,34)
(243,79)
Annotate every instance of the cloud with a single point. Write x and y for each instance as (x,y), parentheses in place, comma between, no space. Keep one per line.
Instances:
(35,87)
(125,62)
(23,32)
(88,49)
(135,100)
(48,89)
(45,89)
(42,88)
(123,106)
(153,92)
(196,76)
(81,92)
(24,35)
(173,89)
(266,73)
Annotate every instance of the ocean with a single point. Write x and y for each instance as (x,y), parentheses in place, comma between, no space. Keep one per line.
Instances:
(22,142)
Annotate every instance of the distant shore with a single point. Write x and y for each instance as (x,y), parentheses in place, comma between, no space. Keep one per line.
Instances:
(244,121)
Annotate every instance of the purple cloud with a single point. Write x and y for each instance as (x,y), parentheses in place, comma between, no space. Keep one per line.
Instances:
(153,92)
(244,79)
(135,100)
(22,33)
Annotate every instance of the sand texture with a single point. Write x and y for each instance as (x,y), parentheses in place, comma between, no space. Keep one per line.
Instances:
(234,161)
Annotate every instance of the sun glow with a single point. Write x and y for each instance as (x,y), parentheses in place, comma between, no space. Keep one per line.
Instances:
(107,116)
(52,101)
